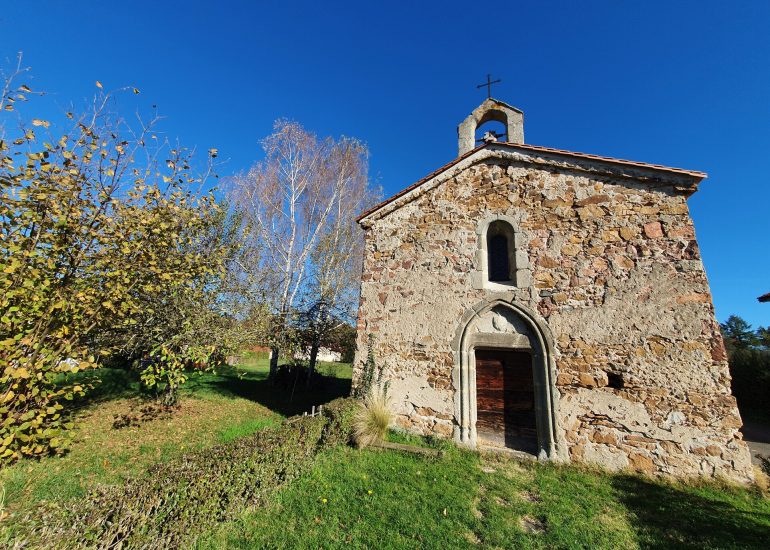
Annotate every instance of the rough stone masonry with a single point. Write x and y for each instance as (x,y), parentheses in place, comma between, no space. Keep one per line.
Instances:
(606,291)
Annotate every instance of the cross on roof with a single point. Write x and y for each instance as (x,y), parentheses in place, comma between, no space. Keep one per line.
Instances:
(488,84)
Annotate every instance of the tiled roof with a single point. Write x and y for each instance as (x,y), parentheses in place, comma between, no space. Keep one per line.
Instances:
(698,176)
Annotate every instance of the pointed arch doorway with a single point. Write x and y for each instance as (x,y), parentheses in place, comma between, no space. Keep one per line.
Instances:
(504,379)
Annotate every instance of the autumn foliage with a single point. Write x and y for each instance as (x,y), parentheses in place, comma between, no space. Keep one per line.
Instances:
(102,238)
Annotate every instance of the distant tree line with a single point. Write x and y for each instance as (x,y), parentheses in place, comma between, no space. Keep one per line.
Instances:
(749,354)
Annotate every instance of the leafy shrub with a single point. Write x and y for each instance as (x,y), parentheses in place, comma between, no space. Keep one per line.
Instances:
(340,414)
(103,244)
(179,499)
(372,419)
(370,375)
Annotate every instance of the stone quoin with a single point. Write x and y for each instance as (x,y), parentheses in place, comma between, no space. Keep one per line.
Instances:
(550,302)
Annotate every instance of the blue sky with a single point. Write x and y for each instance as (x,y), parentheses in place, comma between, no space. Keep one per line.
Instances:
(685,84)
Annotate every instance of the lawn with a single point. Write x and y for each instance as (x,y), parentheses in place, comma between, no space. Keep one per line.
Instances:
(383,499)
(387,499)
(213,408)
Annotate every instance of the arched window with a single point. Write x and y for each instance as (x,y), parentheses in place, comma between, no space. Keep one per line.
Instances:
(501,253)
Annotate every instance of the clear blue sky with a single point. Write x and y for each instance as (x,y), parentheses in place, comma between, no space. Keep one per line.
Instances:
(685,84)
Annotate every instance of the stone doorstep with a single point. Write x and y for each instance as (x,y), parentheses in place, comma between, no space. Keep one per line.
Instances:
(483,447)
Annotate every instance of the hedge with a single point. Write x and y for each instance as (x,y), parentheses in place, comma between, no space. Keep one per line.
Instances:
(179,499)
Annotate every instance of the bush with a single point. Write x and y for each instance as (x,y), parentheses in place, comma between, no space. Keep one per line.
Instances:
(178,500)
(340,414)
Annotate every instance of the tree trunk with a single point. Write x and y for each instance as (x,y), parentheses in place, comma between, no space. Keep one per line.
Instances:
(313,357)
(274,353)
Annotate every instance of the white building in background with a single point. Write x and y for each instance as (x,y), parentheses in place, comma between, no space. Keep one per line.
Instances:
(324,354)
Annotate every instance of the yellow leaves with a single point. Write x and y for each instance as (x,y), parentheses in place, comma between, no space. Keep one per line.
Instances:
(136,90)
(99,85)
(22,373)
(213,152)
(39,122)
(9,396)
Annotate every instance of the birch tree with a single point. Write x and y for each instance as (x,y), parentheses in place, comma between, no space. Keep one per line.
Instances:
(293,200)
(336,260)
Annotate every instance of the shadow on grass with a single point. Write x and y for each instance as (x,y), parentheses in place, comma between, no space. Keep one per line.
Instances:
(286,400)
(666,517)
(115,383)
(105,384)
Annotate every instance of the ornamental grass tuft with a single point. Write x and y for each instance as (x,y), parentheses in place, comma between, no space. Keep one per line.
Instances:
(372,420)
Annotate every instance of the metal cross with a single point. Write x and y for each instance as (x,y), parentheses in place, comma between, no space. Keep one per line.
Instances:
(488,84)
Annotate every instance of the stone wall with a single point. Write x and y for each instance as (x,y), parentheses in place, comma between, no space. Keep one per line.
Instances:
(614,272)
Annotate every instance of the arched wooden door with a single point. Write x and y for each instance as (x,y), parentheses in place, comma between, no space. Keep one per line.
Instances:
(505,399)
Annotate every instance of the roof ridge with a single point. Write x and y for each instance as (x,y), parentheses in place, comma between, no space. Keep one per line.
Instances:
(588,156)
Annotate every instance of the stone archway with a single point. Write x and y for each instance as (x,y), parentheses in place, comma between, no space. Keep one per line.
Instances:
(498,323)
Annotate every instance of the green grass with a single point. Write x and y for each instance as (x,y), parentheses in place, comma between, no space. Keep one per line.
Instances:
(214,407)
(385,499)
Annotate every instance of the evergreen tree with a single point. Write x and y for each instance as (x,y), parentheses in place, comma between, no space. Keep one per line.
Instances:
(738,334)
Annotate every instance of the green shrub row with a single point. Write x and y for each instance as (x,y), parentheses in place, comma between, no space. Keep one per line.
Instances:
(178,500)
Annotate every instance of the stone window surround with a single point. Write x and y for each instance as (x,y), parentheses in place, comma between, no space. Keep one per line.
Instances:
(464,344)
(522,277)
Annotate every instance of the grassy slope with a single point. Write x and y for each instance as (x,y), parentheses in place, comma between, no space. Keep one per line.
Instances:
(214,408)
(377,499)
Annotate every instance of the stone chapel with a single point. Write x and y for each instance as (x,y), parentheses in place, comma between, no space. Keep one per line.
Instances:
(553,303)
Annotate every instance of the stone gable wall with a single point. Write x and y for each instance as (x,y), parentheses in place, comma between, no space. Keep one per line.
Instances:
(615,272)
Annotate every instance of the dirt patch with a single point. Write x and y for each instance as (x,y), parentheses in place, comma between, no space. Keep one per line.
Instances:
(529,496)
(532,526)
(472,538)
(478,514)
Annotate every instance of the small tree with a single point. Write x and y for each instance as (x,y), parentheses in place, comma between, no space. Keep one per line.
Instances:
(95,225)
